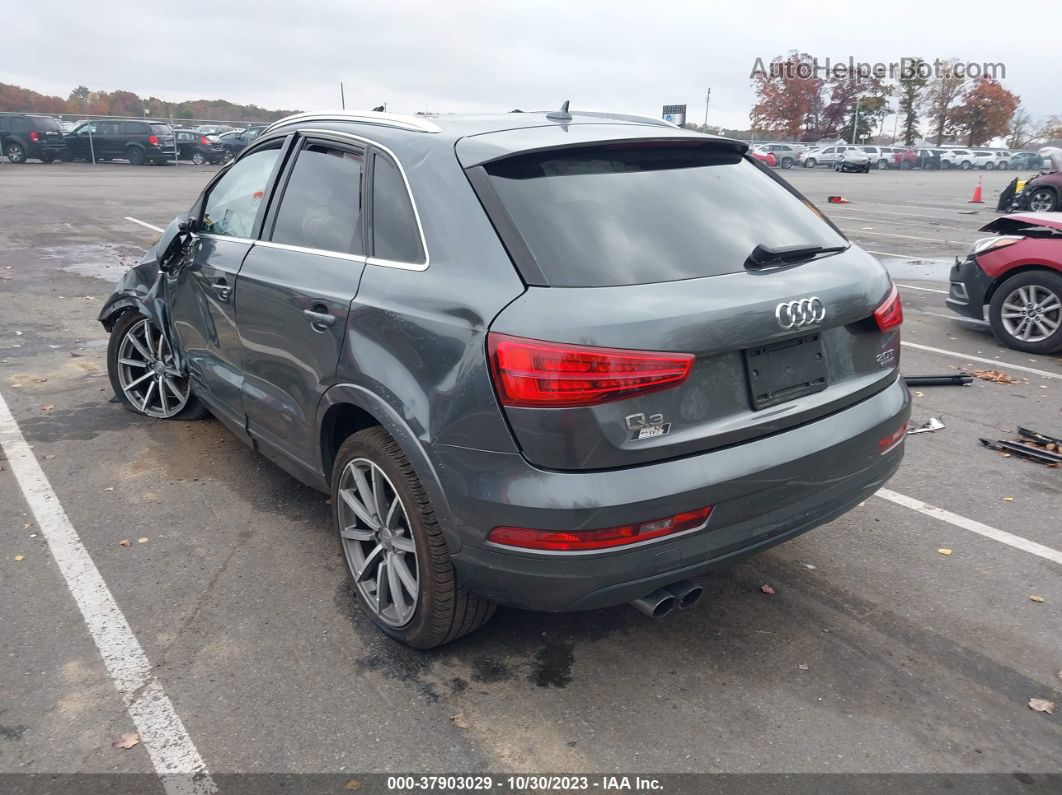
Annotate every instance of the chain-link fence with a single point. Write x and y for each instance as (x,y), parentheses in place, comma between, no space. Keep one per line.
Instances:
(96,139)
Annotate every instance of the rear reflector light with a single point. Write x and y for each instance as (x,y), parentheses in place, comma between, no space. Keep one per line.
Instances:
(34,136)
(153,140)
(204,140)
(886,443)
(554,375)
(889,314)
(575,540)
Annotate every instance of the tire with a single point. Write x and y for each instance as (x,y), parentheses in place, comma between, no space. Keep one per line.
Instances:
(810,163)
(965,165)
(137,385)
(135,155)
(1003,166)
(883,165)
(198,159)
(990,166)
(1042,200)
(1020,293)
(15,152)
(866,168)
(441,611)
(905,165)
(787,162)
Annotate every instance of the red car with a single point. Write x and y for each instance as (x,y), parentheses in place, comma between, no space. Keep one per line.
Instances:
(767,158)
(1018,275)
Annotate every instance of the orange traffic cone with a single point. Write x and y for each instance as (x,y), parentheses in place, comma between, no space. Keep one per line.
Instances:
(977,194)
(837,200)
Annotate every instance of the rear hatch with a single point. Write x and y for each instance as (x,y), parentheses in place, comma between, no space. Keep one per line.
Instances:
(681,247)
(164,135)
(49,131)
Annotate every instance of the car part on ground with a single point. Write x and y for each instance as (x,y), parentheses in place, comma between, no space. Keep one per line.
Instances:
(415,313)
(956,379)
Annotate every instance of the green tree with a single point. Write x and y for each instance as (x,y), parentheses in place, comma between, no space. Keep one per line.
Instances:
(911,82)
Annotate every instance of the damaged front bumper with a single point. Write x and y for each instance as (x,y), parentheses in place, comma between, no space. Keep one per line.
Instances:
(968,288)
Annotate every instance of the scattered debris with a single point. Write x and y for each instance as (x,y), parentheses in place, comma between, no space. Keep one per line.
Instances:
(930,425)
(20,557)
(767,589)
(1030,445)
(108,488)
(141,540)
(803,666)
(126,741)
(809,565)
(1008,499)
(352,786)
(995,376)
(944,551)
(460,721)
(48,407)
(1037,599)
(1042,705)
(124,542)
(837,200)
(962,378)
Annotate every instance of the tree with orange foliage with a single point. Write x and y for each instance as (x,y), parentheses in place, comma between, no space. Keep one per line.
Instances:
(788,95)
(985,112)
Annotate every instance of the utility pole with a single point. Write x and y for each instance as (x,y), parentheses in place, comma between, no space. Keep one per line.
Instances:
(855,124)
(707,99)
(342,96)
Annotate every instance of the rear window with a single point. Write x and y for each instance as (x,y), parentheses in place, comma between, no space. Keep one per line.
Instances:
(161,129)
(44,124)
(638,213)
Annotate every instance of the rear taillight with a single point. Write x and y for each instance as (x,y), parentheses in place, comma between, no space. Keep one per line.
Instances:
(576,540)
(34,136)
(153,140)
(551,374)
(204,140)
(889,314)
(887,443)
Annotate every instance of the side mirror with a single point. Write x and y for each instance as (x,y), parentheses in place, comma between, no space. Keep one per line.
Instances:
(173,242)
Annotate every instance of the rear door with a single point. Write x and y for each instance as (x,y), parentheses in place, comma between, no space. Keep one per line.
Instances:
(644,248)
(107,140)
(295,291)
(201,291)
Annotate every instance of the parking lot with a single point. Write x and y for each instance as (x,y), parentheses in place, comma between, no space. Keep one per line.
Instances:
(876,652)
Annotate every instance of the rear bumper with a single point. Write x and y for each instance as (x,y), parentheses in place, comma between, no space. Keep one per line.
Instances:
(968,288)
(763,492)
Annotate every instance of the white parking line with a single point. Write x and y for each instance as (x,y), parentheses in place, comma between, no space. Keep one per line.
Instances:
(969,358)
(1002,536)
(152,227)
(923,289)
(868,233)
(172,752)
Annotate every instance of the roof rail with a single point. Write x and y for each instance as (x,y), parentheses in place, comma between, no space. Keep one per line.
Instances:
(413,123)
(625,117)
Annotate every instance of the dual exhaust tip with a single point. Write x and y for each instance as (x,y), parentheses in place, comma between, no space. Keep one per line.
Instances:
(661,602)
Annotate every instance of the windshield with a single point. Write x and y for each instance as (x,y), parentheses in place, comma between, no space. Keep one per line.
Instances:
(644,212)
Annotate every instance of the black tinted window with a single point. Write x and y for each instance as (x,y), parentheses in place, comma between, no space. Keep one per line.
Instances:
(647,212)
(131,128)
(321,207)
(161,129)
(395,235)
(44,123)
(107,128)
(19,124)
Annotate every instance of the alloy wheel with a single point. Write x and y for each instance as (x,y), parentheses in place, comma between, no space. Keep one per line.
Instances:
(378,542)
(1042,201)
(147,374)
(1032,313)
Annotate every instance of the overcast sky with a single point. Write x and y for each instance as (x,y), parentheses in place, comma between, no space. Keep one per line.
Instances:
(456,55)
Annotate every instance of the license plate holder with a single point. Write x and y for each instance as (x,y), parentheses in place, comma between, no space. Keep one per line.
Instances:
(784,371)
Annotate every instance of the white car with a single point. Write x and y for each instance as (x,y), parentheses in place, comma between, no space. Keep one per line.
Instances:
(823,156)
(1000,160)
(957,158)
(880,156)
(852,158)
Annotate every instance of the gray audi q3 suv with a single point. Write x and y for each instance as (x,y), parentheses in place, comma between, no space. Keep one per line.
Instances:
(552,360)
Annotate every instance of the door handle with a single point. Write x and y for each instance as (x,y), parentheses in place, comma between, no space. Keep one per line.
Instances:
(221,289)
(320,320)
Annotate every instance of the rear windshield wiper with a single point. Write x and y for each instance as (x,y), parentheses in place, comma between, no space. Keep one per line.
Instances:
(777,256)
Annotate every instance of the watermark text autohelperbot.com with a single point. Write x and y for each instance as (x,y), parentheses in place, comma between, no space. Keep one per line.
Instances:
(851,69)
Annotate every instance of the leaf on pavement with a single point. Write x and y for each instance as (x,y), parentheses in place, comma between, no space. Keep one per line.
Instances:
(767,589)
(126,741)
(20,557)
(352,786)
(995,376)
(1042,705)
(1035,598)
(47,407)
(944,551)
(124,542)
(460,721)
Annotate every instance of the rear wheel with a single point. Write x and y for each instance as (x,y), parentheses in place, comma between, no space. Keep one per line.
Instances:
(990,166)
(810,163)
(965,165)
(198,159)
(787,162)
(141,368)
(394,547)
(135,155)
(883,165)
(1026,312)
(15,152)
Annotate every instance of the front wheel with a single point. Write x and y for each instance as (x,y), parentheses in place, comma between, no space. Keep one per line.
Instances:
(883,165)
(141,368)
(1042,200)
(135,155)
(1026,312)
(198,159)
(990,166)
(965,165)
(810,163)
(787,162)
(15,152)
(394,547)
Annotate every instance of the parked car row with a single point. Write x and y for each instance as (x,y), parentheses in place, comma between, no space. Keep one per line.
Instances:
(25,136)
(885,157)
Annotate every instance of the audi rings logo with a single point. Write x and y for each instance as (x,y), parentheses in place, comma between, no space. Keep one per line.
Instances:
(797,314)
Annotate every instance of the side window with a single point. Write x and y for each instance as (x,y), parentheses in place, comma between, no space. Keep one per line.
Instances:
(233,202)
(20,125)
(395,234)
(107,128)
(130,128)
(87,129)
(321,206)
